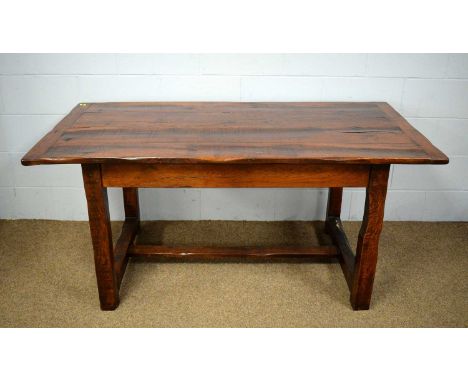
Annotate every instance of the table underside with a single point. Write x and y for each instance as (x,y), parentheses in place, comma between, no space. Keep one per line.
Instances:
(111,261)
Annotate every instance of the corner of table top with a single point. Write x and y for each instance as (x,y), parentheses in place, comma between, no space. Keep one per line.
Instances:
(26,161)
(35,156)
(434,155)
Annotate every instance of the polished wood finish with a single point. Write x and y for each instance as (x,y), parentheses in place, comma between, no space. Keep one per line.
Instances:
(213,253)
(216,132)
(333,145)
(232,176)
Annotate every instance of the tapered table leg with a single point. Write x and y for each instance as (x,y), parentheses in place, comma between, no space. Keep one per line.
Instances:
(101,235)
(368,240)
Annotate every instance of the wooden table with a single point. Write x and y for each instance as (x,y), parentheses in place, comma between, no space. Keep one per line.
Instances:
(168,145)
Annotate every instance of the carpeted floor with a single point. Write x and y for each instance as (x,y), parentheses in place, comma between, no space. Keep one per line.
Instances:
(47,279)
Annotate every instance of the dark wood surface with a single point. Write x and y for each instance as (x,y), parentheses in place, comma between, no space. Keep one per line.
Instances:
(212,132)
(214,253)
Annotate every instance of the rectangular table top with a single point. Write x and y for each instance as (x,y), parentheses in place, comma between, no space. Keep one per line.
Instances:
(225,132)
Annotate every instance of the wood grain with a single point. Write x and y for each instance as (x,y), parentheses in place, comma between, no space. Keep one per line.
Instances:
(230,175)
(211,132)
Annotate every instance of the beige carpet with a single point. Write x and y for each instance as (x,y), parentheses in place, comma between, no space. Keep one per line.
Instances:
(47,279)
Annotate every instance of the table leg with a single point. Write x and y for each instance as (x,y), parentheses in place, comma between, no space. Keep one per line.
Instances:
(335,195)
(101,235)
(131,203)
(130,229)
(368,240)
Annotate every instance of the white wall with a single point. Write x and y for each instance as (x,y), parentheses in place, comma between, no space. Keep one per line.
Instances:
(431,91)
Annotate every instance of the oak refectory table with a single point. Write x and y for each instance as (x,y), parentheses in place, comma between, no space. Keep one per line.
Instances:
(211,144)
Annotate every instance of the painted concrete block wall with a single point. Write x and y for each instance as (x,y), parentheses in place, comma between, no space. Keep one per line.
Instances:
(430,90)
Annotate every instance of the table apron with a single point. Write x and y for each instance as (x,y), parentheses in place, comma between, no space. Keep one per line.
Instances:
(234,175)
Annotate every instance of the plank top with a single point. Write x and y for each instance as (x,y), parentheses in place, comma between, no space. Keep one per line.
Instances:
(215,132)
